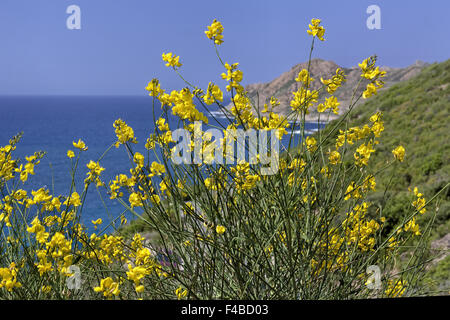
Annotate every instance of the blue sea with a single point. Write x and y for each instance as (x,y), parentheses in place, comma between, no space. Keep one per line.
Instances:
(52,123)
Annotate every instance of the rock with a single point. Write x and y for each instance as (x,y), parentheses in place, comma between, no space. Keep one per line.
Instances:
(441,248)
(283,86)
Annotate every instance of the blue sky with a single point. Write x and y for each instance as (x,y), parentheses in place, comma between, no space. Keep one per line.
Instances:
(118,49)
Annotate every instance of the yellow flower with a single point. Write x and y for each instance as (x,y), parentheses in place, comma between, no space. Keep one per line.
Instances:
(140,289)
(162,125)
(419,204)
(36,226)
(315,30)
(150,143)
(41,196)
(95,168)
(157,169)
(395,289)
(368,69)
(80,145)
(303,76)
(8,278)
(184,106)
(334,157)
(135,200)
(235,76)
(97,222)
(363,153)
(29,168)
(213,93)
(154,88)
(70,154)
(108,287)
(376,117)
(43,265)
(352,191)
(166,138)
(42,237)
(73,200)
(135,274)
(303,99)
(46,289)
(154,198)
(214,32)
(311,143)
(378,125)
(124,133)
(371,89)
(139,160)
(94,173)
(171,59)
(220,229)
(412,226)
(399,153)
(181,293)
(335,82)
(330,103)
(297,163)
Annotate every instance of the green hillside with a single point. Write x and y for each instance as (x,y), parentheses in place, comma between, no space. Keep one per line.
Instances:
(416,114)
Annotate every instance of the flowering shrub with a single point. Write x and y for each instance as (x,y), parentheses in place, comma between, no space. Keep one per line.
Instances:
(225,231)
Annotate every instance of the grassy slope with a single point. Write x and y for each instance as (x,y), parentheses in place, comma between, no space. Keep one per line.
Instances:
(417,116)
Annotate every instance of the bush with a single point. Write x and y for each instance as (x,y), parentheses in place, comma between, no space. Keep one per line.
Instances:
(302,230)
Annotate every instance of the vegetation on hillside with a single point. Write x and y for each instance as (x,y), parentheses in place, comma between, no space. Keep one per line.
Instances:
(416,114)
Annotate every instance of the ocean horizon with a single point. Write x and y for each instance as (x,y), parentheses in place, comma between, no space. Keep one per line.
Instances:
(51,123)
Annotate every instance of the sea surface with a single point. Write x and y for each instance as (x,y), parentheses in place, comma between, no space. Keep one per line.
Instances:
(52,123)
